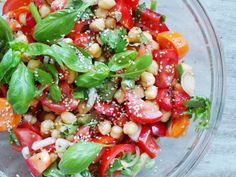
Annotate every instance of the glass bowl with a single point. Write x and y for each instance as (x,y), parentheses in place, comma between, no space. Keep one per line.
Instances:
(178,156)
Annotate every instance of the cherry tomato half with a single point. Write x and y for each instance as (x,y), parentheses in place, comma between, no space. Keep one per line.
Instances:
(10,5)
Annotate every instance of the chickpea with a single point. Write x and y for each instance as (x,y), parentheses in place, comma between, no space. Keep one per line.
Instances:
(97,25)
(120,96)
(44,10)
(95,50)
(71,76)
(130,128)
(83,108)
(151,92)
(49,116)
(46,126)
(153,68)
(147,79)
(110,23)
(55,134)
(34,64)
(139,91)
(101,13)
(147,35)
(116,132)
(166,116)
(106,4)
(104,127)
(134,34)
(68,117)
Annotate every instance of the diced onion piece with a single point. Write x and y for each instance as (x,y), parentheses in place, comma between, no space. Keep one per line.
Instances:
(43,143)
(62,144)
(188,83)
(132,163)
(135,136)
(25,152)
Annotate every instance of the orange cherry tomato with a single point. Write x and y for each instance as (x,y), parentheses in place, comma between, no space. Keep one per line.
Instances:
(178,126)
(7,117)
(174,40)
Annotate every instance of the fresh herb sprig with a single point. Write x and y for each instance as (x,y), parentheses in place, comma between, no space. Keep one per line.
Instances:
(199,108)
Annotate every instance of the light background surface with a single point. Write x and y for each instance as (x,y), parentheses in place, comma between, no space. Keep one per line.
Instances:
(220,160)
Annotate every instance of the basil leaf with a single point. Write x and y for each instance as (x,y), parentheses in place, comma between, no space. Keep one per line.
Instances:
(93,78)
(138,67)
(122,60)
(53,171)
(80,94)
(21,89)
(84,119)
(107,90)
(43,77)
(53,70)
(55,26)
(180,70)
(10,60)
(55,93)
(114,39)
(73,58)
(5,35)
(13,139)
(18,46)
(34,11)
(37,49)
(116,166)
(79,156)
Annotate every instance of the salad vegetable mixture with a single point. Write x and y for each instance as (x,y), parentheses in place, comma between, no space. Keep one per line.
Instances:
(88,87)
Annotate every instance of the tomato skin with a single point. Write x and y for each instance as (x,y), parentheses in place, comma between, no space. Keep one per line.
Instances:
(83,133)
(30,22)
(26,136)
(147,143)
(33,127)
(164,99)
(14,24)
(11,5)
(126,11)
(58,5)
(159,129)
(3,90)
(133,4)
(82,40)
(149,17)
(104,139)
(140,111)
(167,61)
(107,108)
(111,154)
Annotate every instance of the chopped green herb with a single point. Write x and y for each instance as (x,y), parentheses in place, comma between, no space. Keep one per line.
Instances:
(70,130)
(107,90)
(163,18)
(13,139)
(55,93)
(115,167)
(153,5)
(180,70)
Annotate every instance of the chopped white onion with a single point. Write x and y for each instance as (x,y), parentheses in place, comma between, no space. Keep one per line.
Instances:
(25,152)
(135,136)
(62,144)
(132,163)
(188,82)
(92,97)
(43,143)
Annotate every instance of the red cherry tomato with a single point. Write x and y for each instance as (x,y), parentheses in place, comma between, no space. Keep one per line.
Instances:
(159,129)
(107,108)
(11,5)
(83,134)
(180,96)
(167,60)
(140,111)
(58,5)
(104,139)
(164,99)
(26,137)
(3,90)
(147,143)
(33,127)
(149,17)
(68,103)
(177,112)
(133,4)
(82,39)
(126,12)
(111,154)
(30,22)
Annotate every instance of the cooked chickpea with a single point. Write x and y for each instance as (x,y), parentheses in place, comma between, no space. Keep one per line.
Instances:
(147,79)
(95,50)
(83,108)
(106,4)
(71,76)
(134,34)
(26,57)
(110,23)
(153,45)
(147,35)
(49,116)
(55,134)
(120,96)
(116,132)
(99,40)
(153,68)
(97,25)
(34,64)
(44,10)
(104,127)
(151,92)
(22,18)
(166,116)
(46,126)
(139,91)
(101,13)
(130,128)
(70,137)
(68,117)
(58,123)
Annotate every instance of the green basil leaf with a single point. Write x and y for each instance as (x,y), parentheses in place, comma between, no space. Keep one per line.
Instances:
(73,58)
(180,70)
(10,60)
(34,11)
(121,60)
(53,171)
(37,49)
(55,93)
(18,46)
(80,94)
(21,89)
(53,70)
(13,139)
(114,39)
(93,78)
(43,77)
(55,26)
(79,156)
(107,90)
(138,66)
(5,35)
(116,166)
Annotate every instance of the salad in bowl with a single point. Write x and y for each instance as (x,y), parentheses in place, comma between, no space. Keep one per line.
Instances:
(89,88)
